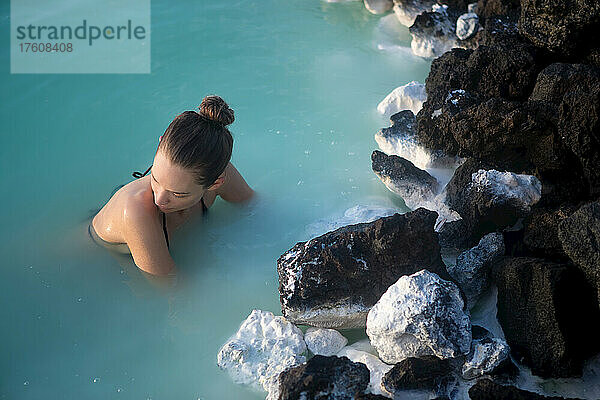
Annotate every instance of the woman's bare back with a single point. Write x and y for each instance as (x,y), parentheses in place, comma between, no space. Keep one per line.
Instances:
(108,222)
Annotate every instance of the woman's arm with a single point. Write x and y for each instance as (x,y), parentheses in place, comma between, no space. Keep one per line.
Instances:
(234,189)
(144,236)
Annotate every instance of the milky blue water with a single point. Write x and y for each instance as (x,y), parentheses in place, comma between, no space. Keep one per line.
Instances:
(304,78)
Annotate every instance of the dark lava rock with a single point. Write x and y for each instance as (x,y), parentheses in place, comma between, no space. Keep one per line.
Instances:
(434,132)
(460,6)
(479,332)
(549,315)
(333,280)
(463,233)
(404,130)
(520,137)
(404,118)
(416,373)
(471,269)
(571,95)
(447,73)
(513,243)
(485,389)
(504,66)
(500,30)
(369,396)
(321,377)
(403,178)
(435,23)
(455,235)
(580,238)
(540,232)
(472,42)
(506,131)
(403,122)
(505,70)
(456,101)
(496,8)
(558,79)
(462,178)
(593,57)
(564,27)
(482,210)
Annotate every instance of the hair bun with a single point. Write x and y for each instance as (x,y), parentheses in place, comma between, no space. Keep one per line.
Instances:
(214,108)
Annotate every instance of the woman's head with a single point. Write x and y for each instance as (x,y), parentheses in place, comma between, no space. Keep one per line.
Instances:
(192,155)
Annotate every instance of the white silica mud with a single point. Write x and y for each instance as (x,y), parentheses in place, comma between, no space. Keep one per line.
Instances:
(421,314)
(524,190)
(263,346)
(323,341)
(353,215)
(406,97)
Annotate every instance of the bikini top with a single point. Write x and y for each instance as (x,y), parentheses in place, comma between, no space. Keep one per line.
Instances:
(137,175)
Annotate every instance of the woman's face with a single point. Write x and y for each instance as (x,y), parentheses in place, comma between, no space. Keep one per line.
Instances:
(173,186)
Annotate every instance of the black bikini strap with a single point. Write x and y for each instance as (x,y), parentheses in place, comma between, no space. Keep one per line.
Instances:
(164,220)
(204,208)
(137,174)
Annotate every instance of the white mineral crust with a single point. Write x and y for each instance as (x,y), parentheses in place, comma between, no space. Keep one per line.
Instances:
(524,190)
(263,346)
(407,97)
(487,355)
(378,6)
(421,314)
(467,25)
(324,341)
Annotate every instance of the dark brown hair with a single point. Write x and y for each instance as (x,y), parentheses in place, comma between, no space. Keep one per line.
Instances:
(200,141)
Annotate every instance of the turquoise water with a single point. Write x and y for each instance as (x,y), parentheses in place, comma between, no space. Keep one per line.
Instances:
(304,78)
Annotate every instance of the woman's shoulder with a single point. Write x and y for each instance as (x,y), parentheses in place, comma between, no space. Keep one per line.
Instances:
(138,206)
(132,202)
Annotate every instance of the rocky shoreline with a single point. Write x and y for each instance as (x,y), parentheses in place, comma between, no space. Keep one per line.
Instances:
(511,106)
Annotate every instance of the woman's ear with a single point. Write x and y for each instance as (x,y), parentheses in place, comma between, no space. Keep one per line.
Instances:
(218,183)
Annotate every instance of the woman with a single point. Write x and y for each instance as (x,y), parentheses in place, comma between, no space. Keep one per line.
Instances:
(190,169)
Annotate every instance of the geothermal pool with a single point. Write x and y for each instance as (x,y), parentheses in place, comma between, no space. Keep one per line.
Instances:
(304,78)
